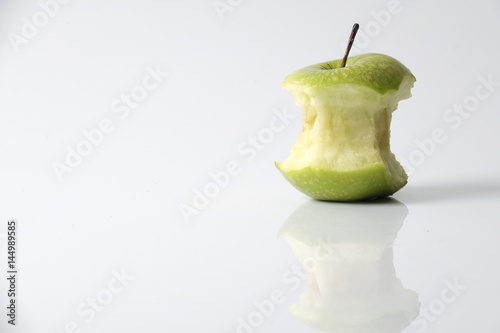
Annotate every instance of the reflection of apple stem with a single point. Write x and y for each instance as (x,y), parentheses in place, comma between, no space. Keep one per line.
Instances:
(349,45)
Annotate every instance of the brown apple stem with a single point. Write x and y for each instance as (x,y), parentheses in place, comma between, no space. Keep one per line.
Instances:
(349,45)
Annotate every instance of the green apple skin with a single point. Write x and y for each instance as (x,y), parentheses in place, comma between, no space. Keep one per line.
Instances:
(367,183)
(343,153)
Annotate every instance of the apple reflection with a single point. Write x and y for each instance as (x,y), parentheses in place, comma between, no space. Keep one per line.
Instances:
(346,251)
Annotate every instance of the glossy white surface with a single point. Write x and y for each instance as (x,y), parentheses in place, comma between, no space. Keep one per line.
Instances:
(106,249)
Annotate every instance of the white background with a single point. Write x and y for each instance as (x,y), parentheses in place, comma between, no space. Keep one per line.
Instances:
(118,209)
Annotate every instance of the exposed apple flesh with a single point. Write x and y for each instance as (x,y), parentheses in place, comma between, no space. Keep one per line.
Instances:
(344,151)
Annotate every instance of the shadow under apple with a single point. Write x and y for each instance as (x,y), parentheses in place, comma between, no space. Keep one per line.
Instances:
(448,191)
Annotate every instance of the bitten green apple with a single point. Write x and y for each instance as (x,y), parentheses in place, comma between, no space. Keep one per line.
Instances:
(343,153)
